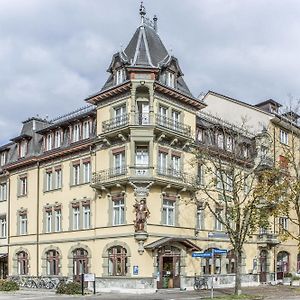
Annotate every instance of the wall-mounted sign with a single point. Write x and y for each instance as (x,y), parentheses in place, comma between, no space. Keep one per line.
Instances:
(135,270)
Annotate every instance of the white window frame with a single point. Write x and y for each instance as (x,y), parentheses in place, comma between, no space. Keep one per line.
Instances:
(49,180)
(3,191)
(200,218)
(120,76)
(218,224)
(86,214)
(86,166)
(284,137)
(23,181)
(3,226)
(49,216)
(23,223)
(23,148)
(76,132)
(57,138)
(119,162)
(76,174)
(119,212)
(283,223)
(171,79)
(176,165)
(86,129)
(49,141)
(57,220)
(76,218)
(3,158)
(162,162)
(58,178)
(168,217)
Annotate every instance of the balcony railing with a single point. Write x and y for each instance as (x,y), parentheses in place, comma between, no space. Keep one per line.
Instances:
(172,124)
(142,119)
(140,170)
(117,122)
(105,175)
(176,175)
(268,238)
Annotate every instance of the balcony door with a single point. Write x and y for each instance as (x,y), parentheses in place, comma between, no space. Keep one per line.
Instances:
(119,163)
(142,160)
(176,119)
(176,168)
(120,113)
(143,113)
(163,114)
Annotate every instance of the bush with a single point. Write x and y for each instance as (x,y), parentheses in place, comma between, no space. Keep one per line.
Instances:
(288,275)
(295,277)
(8,285)
(71,288)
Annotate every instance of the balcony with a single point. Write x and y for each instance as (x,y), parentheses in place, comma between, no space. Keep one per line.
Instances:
(164,122)
(267,239)
(161,176)
(142,119)
(265,163)
(115,123)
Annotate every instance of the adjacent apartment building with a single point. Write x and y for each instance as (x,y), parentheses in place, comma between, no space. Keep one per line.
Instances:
(108,189)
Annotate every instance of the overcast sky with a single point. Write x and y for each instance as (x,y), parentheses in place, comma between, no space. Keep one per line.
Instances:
(54,53)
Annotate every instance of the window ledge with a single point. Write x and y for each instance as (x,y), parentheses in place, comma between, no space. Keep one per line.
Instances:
(53,190)
(80,184)
(22,196)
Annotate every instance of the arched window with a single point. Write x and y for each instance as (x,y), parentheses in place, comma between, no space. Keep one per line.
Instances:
(231,262)
(282,264)
(80,263)
(209,264)
(52,258)
(22,258)
(117,261)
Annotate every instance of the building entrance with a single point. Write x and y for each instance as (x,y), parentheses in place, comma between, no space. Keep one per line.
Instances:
(169,268)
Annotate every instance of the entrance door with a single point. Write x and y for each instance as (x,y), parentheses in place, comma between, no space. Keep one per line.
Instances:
(80,263)
(143,113)
(282,264)
(169,269)
(263,266)
(3,267)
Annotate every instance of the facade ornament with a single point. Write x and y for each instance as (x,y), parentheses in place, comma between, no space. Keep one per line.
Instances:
(142,213)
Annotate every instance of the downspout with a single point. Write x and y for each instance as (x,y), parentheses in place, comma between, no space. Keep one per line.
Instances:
(8,223)
(274,218)
(38,221)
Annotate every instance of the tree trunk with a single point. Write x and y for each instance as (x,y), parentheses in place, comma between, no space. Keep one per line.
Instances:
(238,273)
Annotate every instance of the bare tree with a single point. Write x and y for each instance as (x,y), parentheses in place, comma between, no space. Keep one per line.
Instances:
(234,168)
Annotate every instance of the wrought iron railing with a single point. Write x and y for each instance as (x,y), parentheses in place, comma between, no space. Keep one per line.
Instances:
(140,170)
(142,119)
(177,175)
(172,124)
(119,121)
(105,175)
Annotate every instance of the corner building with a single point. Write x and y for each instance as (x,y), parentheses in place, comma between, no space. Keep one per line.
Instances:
(108,188)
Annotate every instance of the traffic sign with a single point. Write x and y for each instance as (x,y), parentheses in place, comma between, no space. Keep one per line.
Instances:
(220,251)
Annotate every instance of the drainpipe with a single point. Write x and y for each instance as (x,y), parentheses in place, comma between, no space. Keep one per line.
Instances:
(38,221)
(8,223)
(274,218)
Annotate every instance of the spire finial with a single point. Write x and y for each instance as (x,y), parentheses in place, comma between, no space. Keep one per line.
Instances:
(142,11)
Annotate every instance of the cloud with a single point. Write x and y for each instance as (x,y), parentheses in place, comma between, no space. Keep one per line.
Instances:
(54,53)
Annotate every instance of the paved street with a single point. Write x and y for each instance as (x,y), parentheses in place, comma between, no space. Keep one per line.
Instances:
(269,293)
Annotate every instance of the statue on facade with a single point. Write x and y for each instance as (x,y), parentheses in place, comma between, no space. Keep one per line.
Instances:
(141,214)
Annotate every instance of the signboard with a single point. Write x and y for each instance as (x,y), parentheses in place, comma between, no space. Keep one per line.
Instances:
(201,254)
(135,270)
(220,251)
(89,277)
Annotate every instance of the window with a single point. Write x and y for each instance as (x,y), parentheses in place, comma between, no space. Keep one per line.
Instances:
(76,174)
(3,191)
(284,138)
(86,216)
(86,172)
(120,76)
(168,215)
(3,158)
(57,139)
(76,218)
(23,223)
(176,120)
(52,262)
(76,132)
(49,180)
(86,130)
(117,261)
(231,262)
(220,140)
(170,79)
(23,186)
(2,226)
(57,178)
(200,218)
(22,258)
(119,163)
(120,116)
(176,168)
(80,263)
(199,136)
(162,162)
(263,151)
(49,221)
(218,218)
(162,115)
(224,179)
(118,210)
(49,142)
(142,160)
(23,148)
(57,220)
(200,174)
(245,151)
(229,143)
(283,223)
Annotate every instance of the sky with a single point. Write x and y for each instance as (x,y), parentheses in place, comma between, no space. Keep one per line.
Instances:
(55,53)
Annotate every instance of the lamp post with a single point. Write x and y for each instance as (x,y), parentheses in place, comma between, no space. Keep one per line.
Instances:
(211,235)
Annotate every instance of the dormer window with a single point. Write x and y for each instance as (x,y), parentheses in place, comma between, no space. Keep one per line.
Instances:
(23,148)
(86,129)
(57,139)
(49,141)
(120,76)
(170,79)
(76,133)
(3,158)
